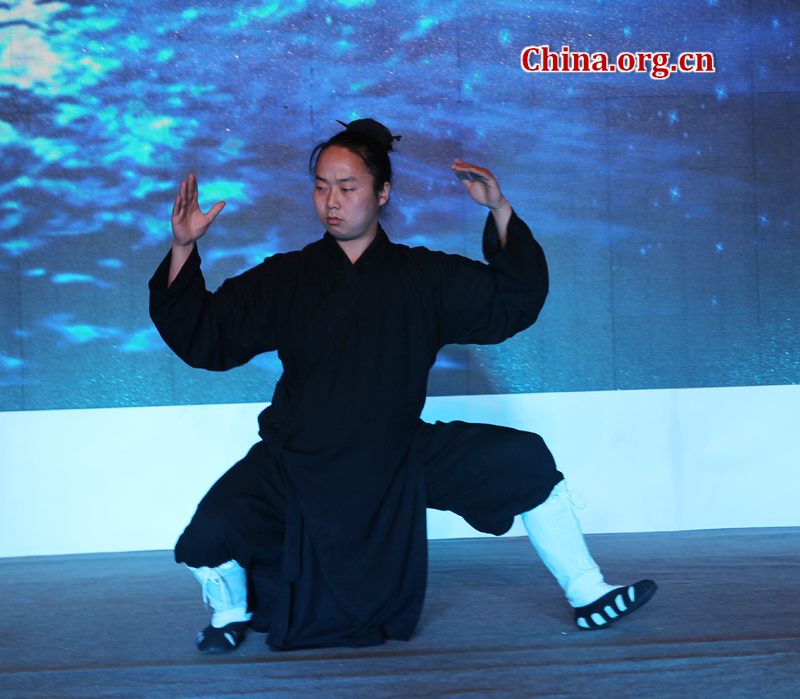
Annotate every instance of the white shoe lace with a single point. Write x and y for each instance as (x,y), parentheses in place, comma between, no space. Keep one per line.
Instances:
(574,497)
(212,577)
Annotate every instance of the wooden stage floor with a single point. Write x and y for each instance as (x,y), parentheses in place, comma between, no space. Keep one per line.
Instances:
(724,623)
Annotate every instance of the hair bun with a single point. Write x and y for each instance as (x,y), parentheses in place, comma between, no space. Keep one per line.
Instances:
(373,129)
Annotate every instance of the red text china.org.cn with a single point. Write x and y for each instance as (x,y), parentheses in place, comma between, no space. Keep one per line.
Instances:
(540,59)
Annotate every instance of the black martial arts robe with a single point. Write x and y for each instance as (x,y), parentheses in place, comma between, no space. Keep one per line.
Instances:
(340,439)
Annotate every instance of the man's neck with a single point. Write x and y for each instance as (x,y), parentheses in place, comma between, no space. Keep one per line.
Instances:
(355,248)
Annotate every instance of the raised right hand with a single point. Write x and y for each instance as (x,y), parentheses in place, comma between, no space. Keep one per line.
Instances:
(188,222)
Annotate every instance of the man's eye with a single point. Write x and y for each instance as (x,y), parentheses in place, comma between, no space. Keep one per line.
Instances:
(347,190)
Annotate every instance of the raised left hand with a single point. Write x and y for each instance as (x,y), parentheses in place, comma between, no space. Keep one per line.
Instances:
(481,184)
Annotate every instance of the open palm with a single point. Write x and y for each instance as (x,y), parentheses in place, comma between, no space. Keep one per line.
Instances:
(189,223)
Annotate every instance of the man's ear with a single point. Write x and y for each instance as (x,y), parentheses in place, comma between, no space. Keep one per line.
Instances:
(383,197)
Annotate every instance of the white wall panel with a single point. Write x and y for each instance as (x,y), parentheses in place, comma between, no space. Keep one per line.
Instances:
(79,481)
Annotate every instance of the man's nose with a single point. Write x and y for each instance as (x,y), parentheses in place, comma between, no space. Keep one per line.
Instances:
(332,201)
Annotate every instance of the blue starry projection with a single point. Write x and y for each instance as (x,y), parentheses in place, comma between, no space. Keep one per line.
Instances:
(668,208)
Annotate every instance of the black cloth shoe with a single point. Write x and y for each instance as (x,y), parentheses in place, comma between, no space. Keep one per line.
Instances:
(224,640)
(614,605)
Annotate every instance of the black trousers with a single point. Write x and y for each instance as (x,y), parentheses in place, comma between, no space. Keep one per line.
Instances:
(485,473)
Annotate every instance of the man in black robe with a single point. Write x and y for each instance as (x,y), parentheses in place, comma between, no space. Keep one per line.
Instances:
(318,535)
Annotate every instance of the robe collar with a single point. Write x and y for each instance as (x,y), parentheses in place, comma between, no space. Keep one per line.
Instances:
(373,252)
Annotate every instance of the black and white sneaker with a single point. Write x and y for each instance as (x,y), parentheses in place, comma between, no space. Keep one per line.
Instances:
(613,606)
(224,640)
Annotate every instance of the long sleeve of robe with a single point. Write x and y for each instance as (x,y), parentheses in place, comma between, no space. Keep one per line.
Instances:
(357,341)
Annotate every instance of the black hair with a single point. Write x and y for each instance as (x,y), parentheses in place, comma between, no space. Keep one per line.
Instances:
(368,139)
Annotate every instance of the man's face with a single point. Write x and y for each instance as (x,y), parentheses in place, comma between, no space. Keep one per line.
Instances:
(344,196)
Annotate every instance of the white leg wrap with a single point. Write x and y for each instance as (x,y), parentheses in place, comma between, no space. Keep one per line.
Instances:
(225,591)
(556,534)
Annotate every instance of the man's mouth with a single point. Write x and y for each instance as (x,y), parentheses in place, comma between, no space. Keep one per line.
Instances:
(333,220)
